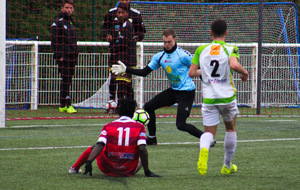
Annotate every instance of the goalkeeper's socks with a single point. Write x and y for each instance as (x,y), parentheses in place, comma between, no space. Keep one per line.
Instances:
(229,147)
(83,158)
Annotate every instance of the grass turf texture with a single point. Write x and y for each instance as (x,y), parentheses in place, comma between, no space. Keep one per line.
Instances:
(265,164)
(45,112)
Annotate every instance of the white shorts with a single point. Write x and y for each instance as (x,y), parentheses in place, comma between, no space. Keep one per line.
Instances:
(211,113)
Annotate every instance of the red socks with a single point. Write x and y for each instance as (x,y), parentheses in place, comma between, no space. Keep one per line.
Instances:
(83,158)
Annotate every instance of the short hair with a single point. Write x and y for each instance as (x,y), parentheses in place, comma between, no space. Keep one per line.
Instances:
(169,32)
(218,28)
(124,6)
(126,107)
(68,1)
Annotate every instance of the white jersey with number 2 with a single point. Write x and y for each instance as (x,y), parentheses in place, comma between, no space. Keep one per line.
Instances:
(217,76)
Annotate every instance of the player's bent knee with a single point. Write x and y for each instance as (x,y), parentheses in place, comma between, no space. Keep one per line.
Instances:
(181,126)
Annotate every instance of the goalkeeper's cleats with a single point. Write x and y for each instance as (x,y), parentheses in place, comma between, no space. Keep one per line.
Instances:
(70,109)
(227,171)
(202,162)
(63,109)
(72,170)
(151,141)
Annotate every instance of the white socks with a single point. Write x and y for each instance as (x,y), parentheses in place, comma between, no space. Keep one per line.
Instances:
(205,140)
(229,147)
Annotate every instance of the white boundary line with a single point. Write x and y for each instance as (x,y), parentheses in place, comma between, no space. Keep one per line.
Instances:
(32,126)
(171,143)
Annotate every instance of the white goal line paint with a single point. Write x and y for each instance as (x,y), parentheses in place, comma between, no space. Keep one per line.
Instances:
(31,126)
(171,143)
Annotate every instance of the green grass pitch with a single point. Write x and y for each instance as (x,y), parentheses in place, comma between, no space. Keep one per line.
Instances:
(38,154)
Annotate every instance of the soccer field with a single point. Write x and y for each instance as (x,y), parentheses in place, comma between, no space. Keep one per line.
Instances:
(38,154)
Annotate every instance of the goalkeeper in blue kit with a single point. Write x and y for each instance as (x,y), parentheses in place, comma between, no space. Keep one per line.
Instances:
(176,63)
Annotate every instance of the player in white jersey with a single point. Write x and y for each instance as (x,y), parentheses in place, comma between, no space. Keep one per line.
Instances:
(215,63)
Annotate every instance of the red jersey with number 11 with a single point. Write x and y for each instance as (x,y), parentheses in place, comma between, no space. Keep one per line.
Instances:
(120,155)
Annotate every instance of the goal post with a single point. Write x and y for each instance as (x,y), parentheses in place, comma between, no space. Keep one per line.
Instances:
(2,61)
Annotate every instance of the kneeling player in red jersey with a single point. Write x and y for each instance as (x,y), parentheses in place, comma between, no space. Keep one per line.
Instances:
(119,146)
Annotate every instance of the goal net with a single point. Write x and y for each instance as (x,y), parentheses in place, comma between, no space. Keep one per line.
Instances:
(33,81)
(191,21)
(19,75)
(188,18)
(280,72)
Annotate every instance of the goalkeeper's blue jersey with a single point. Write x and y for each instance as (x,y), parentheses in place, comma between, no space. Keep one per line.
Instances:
(176,66)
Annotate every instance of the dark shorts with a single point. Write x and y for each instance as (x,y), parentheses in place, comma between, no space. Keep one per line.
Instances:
(169,97)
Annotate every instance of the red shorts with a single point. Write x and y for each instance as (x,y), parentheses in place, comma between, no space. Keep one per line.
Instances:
(118,167)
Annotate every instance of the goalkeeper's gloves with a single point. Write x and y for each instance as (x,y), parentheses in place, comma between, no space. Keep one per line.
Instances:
(88,167)
(118,69)
(148,173)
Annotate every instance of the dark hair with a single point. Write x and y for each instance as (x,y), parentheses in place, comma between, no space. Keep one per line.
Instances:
(126,107)
(124,6)
(218,28)
(169,32)
(68,1)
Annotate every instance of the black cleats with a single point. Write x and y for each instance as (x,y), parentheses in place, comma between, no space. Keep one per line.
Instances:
(151,141)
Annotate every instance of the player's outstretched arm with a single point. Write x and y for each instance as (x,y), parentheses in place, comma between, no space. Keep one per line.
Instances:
(144,159)
(121,68)
(118,69)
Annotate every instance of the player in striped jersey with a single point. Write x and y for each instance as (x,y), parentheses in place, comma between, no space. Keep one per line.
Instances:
(215,63)
(119,146)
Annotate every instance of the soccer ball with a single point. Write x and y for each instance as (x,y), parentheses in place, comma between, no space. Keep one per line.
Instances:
(111,105)
(141,116)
